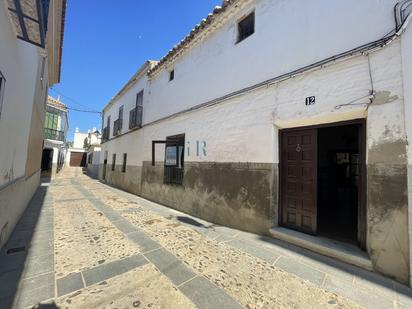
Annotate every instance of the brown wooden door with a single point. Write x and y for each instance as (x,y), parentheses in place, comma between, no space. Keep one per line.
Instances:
(299,179)
(78,159)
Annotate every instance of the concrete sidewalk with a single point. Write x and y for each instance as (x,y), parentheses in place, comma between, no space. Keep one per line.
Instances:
(368,289)
(83,244)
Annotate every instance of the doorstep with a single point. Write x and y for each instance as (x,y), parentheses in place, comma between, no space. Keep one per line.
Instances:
(338,250)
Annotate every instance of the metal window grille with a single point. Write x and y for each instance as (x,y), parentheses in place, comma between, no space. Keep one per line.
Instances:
(124,163)
(114,162)
(246,27)
(135,116)
(174,160)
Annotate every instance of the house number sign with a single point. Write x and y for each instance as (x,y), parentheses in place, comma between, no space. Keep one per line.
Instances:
(310,100)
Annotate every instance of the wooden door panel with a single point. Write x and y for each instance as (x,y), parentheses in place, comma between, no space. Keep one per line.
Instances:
(299,179)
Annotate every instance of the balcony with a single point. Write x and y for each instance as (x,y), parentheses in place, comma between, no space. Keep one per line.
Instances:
(117,126)
(54,135)
(135,119)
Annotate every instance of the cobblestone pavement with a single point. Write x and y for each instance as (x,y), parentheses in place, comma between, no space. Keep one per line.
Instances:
(82,244)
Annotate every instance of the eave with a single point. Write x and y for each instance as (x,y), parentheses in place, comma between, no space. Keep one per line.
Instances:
(29,18)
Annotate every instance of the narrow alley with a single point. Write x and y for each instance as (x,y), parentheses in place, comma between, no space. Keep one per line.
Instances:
(112,249)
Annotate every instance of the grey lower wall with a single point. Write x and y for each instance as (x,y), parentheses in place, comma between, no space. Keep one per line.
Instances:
(93,170)
(245,196)
(13,201)
(238,195)
(129,181)
(387,209)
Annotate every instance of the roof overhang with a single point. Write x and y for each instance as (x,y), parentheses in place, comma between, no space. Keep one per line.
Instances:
(142,71)
(55,35)
(29,18)
(41,23)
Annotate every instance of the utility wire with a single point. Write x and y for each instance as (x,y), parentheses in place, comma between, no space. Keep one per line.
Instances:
(83,110)
(69,98)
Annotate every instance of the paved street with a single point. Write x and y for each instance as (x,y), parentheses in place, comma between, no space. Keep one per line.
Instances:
(82,244)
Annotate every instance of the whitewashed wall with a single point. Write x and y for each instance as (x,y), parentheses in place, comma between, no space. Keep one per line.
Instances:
(245,129)
(78,140)
(19,63)
(407,82)
(128,100)
(289,34)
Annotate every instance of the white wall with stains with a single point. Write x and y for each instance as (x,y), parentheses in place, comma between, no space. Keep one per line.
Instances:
(245,128)
(19,63)
(289,34)
(407,84)
(24,94)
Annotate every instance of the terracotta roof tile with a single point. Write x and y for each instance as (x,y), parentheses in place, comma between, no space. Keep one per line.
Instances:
(56,103)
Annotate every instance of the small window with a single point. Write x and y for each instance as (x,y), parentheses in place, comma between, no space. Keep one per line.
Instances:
(246,27)
(139,98)
(114,162)
(174,160)
(121,112)
(2,86)
(124,162)
(171,75)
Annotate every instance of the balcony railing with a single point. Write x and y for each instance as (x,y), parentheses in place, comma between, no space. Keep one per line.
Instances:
(117,126)
(135,119)
(54,134)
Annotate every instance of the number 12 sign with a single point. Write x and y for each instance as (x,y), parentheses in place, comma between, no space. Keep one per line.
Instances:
(310,100)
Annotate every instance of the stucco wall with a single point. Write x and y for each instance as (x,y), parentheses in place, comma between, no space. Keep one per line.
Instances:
(279,45)
(13,200)
(407,83)
(21,124)
(19,62)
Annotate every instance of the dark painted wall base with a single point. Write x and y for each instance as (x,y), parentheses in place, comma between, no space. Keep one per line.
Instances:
(238,195)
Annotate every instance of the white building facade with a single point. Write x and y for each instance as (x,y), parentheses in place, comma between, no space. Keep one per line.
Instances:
(30,58)
(280,118)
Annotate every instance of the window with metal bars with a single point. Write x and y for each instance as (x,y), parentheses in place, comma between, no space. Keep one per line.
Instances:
(246,27)
(114,162)
(135,117)
(174,160)
(124,163)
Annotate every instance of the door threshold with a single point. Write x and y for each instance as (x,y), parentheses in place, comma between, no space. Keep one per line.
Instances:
(341,251)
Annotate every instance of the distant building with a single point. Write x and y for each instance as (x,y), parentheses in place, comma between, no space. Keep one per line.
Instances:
(55,133)
(93,152)
(31,39)
(77,154)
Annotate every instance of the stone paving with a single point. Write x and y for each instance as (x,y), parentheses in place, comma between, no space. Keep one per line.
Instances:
(82,244)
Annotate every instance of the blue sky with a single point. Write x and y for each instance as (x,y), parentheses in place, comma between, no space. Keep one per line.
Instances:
(106,41)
